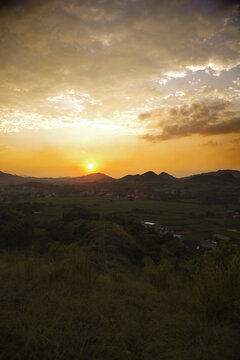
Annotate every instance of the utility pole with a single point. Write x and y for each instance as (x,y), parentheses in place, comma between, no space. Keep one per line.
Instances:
(101,244)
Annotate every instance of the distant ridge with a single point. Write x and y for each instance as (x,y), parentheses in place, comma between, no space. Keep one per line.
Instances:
(212,178)
(235,173)
(7,179)
(80,179)
(148,177)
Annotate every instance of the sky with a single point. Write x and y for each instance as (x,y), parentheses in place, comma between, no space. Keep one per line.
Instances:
(126,85)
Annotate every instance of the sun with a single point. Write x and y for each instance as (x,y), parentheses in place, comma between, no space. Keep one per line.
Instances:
(90,166)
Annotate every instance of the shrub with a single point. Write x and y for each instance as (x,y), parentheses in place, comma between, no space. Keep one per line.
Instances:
(217,288)
(159,276)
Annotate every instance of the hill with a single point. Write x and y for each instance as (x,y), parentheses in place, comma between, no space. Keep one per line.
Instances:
(212,179)
(235,173)
(7,179)
(79,179)
(149,178)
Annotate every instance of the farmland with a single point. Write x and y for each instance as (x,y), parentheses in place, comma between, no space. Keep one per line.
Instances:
(195,221)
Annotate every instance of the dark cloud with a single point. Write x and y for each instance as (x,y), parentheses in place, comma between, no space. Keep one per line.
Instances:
(144,116)
(13,3)
(205,119)
(222,4)
(214,6)
(9,5)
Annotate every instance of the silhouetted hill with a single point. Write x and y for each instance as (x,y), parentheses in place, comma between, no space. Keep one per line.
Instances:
(80,179)
(205,178)
(227,177)
(149,178)
(165,176)
(6,179)
(129,178)
(149,175)
(235,173)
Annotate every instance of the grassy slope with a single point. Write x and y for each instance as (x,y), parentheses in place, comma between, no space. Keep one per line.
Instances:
(66,309)
(61,305)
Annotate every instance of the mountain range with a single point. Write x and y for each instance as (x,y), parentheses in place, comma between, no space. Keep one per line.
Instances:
(148,177)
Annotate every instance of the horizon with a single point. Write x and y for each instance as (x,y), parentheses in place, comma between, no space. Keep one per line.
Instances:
(119,87)
(117,178)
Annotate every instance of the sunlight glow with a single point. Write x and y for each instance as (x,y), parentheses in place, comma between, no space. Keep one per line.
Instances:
(90,166)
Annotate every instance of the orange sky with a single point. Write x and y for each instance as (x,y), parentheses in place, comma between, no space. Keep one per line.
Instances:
(128,86)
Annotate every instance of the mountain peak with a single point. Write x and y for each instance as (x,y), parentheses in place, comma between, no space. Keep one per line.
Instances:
(165,175)
(149,173)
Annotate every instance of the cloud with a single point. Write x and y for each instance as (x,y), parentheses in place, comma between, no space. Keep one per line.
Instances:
(236,141)
(111,50)
(144,116)
(212,118)
(211,143)
(13,3)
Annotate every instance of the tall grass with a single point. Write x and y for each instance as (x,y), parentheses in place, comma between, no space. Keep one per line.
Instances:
(61,307)
(217,289)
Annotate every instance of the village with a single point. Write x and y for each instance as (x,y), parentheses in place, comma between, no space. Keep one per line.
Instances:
(207,244)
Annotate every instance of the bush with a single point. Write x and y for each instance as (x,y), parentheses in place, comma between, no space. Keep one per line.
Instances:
(217,289)
(159,276)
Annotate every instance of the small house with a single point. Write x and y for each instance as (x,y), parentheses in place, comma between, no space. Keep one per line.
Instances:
(209,245)
(149,224)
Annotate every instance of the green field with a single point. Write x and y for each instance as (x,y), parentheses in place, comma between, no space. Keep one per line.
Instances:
(196,221)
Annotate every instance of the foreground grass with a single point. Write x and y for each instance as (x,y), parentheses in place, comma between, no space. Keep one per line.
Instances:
(67,308)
